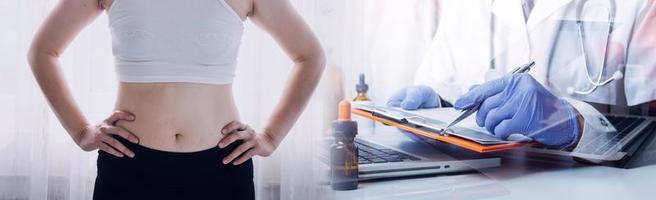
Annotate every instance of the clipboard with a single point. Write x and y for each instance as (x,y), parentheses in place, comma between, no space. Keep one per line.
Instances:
(463,137)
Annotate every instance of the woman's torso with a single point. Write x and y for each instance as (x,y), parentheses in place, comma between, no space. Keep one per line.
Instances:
(174,112)
(178,117)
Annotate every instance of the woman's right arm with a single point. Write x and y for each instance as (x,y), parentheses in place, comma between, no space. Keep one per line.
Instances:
(63,24)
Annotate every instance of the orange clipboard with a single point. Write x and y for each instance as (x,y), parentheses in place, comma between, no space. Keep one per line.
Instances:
(451,139)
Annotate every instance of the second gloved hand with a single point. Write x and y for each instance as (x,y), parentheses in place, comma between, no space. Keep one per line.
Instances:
(415,97)
(518,104)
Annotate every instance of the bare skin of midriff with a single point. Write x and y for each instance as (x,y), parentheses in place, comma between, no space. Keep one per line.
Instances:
(177,117)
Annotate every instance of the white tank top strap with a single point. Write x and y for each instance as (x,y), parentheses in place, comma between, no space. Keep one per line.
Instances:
(111,5)
(230,9)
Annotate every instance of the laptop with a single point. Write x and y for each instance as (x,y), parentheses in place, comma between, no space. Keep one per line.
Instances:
(633,145)
(387,152)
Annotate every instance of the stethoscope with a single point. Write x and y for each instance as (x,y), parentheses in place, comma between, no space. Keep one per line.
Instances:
(594,84)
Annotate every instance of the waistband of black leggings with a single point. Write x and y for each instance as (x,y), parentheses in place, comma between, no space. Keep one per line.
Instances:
(145,156)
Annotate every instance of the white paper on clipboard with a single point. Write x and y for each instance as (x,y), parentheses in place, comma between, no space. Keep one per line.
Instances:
(436,119)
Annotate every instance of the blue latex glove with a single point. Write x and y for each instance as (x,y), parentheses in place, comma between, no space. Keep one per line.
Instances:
(415,97)
(518,104)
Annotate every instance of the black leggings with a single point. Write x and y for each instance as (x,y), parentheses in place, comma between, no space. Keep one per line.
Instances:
(154,174)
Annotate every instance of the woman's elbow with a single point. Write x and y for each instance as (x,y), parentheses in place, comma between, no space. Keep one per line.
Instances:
(36,56)
(315,59)
(320,58)
(32,58)
(317,62)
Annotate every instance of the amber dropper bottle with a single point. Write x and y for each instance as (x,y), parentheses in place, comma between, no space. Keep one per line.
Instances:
(343,152)
(362,88)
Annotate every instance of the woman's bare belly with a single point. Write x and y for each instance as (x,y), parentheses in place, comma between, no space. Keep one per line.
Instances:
(177,117)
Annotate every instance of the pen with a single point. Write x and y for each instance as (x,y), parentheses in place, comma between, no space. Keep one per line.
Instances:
(467,112)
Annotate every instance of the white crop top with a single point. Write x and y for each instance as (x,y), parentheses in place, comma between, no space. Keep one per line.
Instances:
(192,41)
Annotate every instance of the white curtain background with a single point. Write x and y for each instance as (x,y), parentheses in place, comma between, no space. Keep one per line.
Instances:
(389,38)
(403,30)
(39,161)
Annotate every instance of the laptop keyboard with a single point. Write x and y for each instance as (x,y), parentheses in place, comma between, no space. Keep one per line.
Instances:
(372,153)
(606,141)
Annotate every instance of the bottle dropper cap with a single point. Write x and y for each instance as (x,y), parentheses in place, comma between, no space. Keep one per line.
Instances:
(344,126)
(362,86)
(344,111)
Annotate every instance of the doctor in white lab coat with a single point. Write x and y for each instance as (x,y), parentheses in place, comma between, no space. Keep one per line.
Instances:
(480,41)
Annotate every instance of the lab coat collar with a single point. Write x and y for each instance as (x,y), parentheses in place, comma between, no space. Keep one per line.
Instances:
(543,9)
(511,13)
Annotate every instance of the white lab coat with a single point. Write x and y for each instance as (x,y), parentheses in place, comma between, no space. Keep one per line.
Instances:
(465,44)
(461,50)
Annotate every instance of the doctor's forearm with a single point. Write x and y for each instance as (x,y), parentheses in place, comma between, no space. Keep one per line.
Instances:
(296,95)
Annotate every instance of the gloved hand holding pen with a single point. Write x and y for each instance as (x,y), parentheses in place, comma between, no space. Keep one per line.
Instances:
(518,104)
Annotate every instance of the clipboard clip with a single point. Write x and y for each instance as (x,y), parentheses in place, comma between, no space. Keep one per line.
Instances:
(441,132)
(405,120)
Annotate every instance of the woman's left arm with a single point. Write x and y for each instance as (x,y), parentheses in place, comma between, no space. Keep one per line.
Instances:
(278,18)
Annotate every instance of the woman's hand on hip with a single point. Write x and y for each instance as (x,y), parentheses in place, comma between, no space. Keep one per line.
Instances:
(252,143)
(100,136)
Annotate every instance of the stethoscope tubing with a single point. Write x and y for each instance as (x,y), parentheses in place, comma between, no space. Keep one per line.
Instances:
(611,17)
(593,84)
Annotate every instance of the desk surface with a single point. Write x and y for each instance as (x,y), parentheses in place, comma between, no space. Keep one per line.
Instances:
(519,177)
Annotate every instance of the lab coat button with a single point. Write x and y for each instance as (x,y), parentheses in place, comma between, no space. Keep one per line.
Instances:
(603,121)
